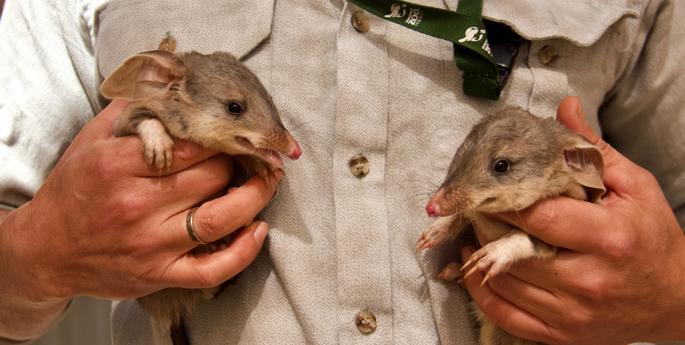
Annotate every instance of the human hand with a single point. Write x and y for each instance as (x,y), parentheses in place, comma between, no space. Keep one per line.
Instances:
(106,224)
(619,275)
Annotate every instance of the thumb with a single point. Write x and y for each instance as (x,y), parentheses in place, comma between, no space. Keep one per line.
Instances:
(101,126)
(570,113)
(617,168)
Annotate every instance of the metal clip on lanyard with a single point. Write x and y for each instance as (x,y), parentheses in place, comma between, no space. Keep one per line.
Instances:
(484,76)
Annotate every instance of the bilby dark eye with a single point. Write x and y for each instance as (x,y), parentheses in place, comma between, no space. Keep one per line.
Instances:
(501,166)
(234,108)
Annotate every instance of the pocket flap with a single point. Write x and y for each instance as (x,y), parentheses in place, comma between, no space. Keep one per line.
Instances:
(581,22)
(125,27)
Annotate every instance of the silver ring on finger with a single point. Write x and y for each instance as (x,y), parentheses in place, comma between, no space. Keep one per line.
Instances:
(190,226)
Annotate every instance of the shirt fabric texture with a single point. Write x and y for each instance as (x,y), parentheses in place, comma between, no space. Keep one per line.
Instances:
(341,244)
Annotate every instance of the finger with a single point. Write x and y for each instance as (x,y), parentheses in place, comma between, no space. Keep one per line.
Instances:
(547,274)
(179,191)
(548,220)
(504,314)
(619,172)
(204,271)
(528,297)
(128,153)
(221,216)
(100,127)
(568,274)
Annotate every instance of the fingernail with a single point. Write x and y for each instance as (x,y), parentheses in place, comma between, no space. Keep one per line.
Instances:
(261,231)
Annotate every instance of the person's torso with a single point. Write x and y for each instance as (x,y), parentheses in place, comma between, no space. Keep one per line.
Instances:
(341,244)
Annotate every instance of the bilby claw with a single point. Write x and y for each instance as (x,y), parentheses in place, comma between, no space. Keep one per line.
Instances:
(492,260)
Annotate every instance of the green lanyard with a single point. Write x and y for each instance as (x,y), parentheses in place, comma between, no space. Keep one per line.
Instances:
(464,28)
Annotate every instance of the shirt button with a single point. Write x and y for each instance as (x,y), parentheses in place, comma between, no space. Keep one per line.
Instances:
(547,55)
(366,322)
(359,166)
(360,21)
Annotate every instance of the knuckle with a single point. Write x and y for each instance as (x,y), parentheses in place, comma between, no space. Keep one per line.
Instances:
(126,207)
(620,245)
(575,323)
(105,167)
(543,215)
(207,223)
(595,289)
(207,277)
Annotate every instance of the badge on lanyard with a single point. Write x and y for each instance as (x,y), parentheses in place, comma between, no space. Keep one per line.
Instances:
(486,64)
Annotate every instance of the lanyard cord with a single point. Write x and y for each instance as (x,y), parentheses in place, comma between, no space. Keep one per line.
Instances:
(464,28)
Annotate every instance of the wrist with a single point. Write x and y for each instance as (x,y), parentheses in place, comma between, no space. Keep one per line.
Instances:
(26,258)
(27,304)
(672,325)
(677,323)
(24,321)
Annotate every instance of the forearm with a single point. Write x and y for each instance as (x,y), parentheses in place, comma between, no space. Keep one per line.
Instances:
(23,320)
(673,326)
(24,315)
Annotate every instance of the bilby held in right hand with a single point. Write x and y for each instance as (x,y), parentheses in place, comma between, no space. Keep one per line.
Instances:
(507,162)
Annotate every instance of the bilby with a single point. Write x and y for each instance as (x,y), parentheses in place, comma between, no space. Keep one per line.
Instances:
(507,162)
(212,100)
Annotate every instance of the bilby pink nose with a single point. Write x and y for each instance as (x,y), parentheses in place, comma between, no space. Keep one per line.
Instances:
(295,150)
(433,209)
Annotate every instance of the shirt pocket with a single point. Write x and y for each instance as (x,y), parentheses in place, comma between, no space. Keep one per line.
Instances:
(126,27)
(570,49)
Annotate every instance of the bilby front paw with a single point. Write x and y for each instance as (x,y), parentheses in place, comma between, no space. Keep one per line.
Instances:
(492,259)
(433,235)
(159,151)
(157,144)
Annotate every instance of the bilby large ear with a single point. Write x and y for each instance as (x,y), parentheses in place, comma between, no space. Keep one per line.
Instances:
(145,75)
(585,163)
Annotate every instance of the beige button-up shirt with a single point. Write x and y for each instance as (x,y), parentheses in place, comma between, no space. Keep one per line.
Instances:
(342,243)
